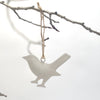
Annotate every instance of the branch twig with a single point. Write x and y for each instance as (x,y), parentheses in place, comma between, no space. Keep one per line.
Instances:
(52,24)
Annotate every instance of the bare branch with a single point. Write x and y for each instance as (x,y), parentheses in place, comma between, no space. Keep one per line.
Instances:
(78,23)
(29,21)
(14,10)
(53,13)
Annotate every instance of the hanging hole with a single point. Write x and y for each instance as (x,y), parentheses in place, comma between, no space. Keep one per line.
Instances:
(43,60)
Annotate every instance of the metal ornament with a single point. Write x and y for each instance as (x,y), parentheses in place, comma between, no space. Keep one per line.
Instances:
(43,70)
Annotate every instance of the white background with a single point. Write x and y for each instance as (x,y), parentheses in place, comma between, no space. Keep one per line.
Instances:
(80,75)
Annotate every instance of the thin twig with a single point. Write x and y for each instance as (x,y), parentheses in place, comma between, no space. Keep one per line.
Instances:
(50,19)
(52,24)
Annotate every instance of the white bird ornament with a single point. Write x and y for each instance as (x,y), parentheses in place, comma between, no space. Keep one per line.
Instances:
(43,70)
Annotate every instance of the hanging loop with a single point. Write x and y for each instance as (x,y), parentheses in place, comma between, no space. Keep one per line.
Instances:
(43,59)
(42,31)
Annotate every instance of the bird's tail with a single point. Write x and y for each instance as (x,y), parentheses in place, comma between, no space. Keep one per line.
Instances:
(57,74)
(61,60)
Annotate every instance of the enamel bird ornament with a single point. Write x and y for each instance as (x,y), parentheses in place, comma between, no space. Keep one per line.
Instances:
(43,70)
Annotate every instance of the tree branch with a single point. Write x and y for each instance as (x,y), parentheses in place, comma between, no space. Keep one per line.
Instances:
(51,13)
(14,10)
(29,21)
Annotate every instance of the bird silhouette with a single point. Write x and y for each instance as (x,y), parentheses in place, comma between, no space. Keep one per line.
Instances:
(43,70)
(1,94)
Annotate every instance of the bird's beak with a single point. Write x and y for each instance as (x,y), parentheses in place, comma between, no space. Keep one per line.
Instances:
(26,57)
